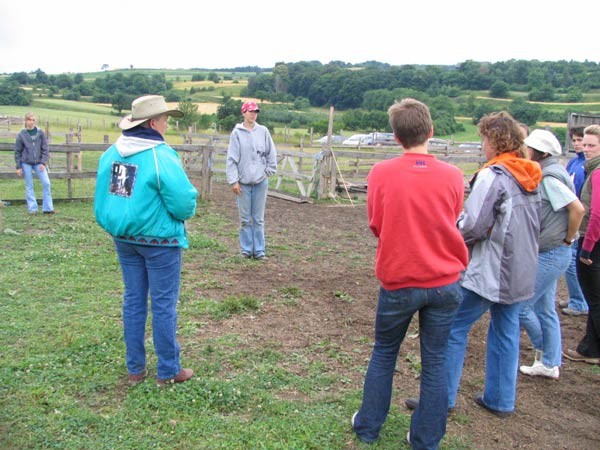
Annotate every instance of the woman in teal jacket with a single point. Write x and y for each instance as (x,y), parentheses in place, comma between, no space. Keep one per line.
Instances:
(142,199)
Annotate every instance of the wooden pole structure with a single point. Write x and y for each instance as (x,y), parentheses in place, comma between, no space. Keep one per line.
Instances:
(333,167)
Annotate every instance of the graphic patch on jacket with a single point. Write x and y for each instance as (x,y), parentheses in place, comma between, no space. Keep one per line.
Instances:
(122,179)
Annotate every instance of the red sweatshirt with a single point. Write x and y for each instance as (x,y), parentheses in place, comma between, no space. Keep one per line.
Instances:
(413,203)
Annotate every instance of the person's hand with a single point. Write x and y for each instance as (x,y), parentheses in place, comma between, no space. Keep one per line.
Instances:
(586,261)
(19,172)
(41,167)
(237,190)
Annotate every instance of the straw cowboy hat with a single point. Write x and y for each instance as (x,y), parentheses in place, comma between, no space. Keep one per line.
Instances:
(147,107)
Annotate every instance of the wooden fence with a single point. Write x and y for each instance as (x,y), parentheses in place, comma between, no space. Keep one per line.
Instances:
(303,172)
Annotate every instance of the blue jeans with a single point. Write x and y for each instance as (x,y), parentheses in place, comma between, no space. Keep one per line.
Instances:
(251,205)
(502,350)
(538,314)
(576,298)
(154,270)
(32,205)
(437,308)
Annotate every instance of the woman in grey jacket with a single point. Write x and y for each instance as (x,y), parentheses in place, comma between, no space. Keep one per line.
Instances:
(501,226)
(251,159)
(32,155)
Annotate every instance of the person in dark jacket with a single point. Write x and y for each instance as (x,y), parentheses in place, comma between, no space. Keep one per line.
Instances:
(32,155)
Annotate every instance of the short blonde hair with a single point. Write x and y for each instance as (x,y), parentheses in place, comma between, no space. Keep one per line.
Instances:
(593,130)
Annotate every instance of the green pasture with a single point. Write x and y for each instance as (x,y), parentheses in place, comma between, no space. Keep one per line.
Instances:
(98,120)
(62,371)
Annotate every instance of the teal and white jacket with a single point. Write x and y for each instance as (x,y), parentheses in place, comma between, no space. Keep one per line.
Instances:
(143,196)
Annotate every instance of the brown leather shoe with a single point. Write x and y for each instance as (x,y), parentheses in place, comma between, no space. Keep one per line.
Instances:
(574,355)
(183,376)
(137,379)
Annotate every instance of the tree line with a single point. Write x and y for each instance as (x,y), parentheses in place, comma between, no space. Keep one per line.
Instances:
(363,92)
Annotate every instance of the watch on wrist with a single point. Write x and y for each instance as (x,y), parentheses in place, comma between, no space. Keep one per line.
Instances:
(568,242)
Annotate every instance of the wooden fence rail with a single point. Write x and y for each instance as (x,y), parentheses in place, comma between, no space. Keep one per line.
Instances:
(305,173)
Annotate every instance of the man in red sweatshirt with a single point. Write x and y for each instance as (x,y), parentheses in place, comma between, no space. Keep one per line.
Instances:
(413,203)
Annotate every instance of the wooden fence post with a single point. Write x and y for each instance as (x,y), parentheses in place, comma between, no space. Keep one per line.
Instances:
(69,170)
(205,180)
(332,163)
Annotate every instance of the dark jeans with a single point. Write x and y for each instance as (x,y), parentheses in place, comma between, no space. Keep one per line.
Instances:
(437,308)
(589,279)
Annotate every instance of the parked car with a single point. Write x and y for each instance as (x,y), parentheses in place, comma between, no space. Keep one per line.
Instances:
(383,139)
(336,139)
(356,140)
(435,142)
(469,147)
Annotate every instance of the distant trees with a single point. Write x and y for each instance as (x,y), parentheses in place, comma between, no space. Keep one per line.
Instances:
(228,113)
(499,89)
(347,87)
(525,112)
(190,113)
(214,77)
(12,94)
(362,92)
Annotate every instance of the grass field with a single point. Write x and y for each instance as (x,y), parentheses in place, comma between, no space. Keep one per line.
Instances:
(62,373)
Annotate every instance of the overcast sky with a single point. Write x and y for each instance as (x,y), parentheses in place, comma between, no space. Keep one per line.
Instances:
(78,36)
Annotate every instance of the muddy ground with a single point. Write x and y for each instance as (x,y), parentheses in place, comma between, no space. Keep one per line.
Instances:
(325,252)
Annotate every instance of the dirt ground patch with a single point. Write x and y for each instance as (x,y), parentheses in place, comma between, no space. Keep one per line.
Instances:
(327,252)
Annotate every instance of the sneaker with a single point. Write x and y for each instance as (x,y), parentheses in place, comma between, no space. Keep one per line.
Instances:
(137,379)
(183,376)
(50,212)
(353,417)
(574,355)
(563,303)
(408,437)
(246,255)
(540,370)
(502,414)
(261,258)
(573,312)
(413,402)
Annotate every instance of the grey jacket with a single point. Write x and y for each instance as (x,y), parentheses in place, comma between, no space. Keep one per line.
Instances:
(554,224)
(31,149)
(501,225)
(251,156)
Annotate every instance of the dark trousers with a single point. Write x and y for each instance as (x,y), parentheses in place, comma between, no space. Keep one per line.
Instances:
(589,280)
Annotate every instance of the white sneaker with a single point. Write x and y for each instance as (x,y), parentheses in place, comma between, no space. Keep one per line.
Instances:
(353,417)
(540,370)
(408,437)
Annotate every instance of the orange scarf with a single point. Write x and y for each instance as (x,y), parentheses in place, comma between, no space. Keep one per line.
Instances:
(527,173)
